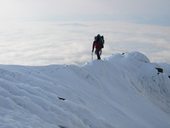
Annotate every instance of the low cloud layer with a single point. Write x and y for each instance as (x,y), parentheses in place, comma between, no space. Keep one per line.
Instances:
(43,43)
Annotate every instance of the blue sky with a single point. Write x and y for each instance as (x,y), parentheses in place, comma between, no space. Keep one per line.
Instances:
(141,11)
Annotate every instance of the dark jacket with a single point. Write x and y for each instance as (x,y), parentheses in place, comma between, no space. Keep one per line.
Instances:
(96,45)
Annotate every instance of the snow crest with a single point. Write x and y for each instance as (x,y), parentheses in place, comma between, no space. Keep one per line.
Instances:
(125,90)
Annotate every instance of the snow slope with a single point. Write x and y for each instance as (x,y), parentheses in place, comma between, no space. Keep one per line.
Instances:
(122,91)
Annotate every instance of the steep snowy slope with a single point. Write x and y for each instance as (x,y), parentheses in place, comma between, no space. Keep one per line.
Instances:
(122,91)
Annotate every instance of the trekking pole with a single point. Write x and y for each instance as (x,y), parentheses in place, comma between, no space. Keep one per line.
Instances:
(92,56)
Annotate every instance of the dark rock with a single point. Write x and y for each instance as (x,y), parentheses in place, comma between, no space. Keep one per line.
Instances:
(160,70)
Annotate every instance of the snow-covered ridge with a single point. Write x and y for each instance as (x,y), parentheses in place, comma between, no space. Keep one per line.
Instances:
(122,91)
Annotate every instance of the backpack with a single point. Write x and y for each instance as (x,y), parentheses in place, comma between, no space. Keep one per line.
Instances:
(100,40)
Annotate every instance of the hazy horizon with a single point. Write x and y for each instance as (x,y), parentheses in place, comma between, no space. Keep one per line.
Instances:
(139,11)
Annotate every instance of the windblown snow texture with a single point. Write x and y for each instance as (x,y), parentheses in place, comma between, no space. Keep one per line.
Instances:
(122,91)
